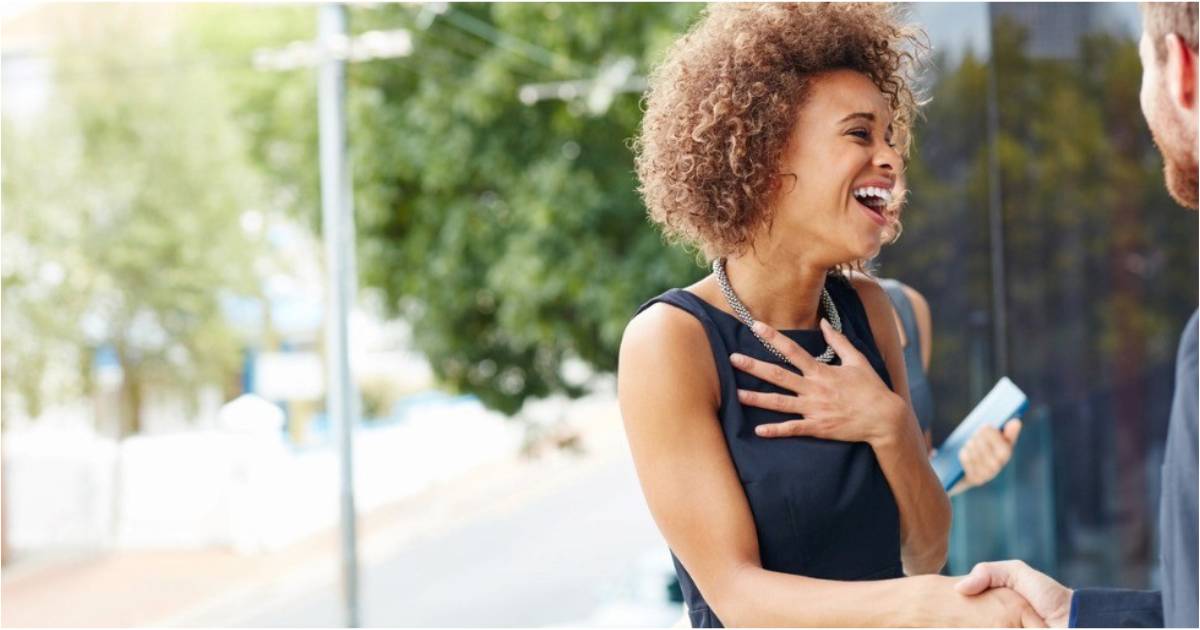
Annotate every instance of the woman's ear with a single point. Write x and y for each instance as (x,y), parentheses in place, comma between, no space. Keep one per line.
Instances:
(785,183)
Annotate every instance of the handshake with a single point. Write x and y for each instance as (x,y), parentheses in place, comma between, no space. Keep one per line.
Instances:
(1001,594)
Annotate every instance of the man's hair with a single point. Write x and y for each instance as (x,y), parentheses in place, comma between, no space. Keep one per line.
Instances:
(1164,18)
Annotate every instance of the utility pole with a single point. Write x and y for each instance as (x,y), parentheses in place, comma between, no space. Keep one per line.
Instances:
(337,224)
(614,78)
(329,54)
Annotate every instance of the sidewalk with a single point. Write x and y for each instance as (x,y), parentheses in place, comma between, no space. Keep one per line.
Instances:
(187,588)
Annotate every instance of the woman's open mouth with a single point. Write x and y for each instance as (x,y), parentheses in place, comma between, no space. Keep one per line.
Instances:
(874,201)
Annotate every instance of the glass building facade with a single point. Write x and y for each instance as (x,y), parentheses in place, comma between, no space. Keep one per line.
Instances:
(1039,229)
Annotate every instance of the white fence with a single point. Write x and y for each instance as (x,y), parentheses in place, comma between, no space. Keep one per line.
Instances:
(218,487)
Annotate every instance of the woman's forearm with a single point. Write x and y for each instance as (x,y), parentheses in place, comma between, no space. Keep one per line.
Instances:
(923,504)
(756,597)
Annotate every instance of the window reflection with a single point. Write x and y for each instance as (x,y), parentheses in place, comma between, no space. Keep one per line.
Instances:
(1096,276)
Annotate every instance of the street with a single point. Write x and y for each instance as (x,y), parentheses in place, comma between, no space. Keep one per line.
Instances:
(572,545)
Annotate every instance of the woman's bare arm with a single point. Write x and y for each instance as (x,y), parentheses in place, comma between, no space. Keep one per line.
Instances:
(669,396)
(924,506)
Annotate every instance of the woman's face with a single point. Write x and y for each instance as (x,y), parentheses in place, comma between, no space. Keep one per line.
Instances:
(845,169)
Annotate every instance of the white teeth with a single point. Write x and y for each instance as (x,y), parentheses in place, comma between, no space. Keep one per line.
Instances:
(873,191)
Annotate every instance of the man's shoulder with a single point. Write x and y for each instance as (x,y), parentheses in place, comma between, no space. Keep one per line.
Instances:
(1185,361)
(1188,340)
(1183,429)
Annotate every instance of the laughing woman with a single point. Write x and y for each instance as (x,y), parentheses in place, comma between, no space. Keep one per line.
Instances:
(767,144)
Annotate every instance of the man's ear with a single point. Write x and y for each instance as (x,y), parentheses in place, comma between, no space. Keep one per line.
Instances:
(1180,72)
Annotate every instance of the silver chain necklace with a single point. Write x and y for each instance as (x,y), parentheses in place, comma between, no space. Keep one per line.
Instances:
(743,314)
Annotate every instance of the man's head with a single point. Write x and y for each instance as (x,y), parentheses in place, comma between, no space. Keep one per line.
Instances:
(1169,81)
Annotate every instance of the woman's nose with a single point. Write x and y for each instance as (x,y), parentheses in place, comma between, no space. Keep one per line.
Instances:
(887,157)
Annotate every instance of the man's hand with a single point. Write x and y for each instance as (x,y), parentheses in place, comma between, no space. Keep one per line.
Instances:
(1051,600)
(938,604)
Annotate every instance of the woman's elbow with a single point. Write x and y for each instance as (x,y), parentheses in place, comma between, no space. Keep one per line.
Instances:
(730,598)
(737,614)
(939,547)
(930,560)
(928,553)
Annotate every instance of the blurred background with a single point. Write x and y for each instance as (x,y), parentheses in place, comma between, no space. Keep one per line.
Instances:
(168,459)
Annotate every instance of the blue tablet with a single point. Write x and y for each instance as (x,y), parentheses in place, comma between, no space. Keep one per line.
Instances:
(1004,402)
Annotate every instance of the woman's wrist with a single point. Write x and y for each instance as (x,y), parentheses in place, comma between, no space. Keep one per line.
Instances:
(920,601)
(894,424)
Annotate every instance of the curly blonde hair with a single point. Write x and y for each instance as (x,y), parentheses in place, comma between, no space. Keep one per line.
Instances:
(723,103)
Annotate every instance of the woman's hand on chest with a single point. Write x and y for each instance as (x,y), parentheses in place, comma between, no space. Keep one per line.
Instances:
(847,402)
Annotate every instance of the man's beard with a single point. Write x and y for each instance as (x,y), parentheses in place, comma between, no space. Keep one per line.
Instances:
(1182,181)
(1179,169)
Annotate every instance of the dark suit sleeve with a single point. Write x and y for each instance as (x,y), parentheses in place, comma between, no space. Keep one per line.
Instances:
(1116,608)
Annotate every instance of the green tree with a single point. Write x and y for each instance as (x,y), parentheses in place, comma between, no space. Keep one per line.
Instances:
(123,203)
(508,234)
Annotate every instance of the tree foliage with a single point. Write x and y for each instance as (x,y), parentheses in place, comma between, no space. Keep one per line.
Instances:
(122,202)
(508,234)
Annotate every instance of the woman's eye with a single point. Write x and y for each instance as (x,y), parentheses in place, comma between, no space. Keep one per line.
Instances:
(861,133)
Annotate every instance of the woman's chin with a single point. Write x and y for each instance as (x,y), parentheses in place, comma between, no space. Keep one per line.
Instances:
(869,248)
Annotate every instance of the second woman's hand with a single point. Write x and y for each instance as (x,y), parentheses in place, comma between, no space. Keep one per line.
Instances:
(847,402)
(987,452)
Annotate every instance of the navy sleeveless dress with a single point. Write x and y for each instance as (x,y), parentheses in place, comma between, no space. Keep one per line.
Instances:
(822,509)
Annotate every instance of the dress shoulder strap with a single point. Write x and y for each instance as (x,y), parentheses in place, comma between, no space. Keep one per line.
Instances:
(856,324)
(694,306)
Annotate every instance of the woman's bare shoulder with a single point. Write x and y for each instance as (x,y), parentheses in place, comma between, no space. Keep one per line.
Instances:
(666,345)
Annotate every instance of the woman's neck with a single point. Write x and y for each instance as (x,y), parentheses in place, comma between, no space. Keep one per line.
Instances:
(784,296)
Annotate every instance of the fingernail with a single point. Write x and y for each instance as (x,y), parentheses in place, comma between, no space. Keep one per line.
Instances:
(737,359)
(758,327)
(824,324)
(760,430)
